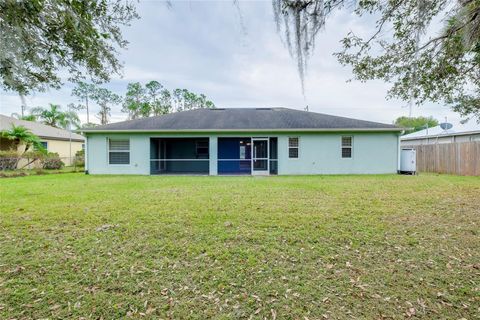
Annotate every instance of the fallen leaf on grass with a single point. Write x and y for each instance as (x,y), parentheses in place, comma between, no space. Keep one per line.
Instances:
(105,227)
(274,314)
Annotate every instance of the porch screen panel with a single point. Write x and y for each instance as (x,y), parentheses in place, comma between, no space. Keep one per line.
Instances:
(273,156)
(234,156)
(179,156)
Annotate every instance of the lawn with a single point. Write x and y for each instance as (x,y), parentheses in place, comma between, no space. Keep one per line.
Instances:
(318,247)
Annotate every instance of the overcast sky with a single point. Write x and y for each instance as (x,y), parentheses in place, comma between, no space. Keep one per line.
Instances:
(202,46)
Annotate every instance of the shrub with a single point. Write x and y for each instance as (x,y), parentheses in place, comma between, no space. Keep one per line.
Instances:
(52,161)
(8,160)
(79,159)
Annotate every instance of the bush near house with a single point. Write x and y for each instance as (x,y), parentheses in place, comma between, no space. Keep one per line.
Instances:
(52,161)
(79,159)
(8,160)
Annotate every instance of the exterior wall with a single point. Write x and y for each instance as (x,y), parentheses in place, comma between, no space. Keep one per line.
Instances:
(59,146)
(63,149)
(319,153)
(373,153)
(97,153)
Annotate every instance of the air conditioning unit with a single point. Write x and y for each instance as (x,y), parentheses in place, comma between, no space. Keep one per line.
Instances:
(408,161)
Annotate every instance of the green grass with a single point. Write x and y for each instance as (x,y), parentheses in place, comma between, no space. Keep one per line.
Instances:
(30,172)
(336,247)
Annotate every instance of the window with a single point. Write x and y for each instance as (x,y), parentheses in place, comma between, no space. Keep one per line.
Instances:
(293,148)
(347,143)
(83,146)
(44,145)
(118,151)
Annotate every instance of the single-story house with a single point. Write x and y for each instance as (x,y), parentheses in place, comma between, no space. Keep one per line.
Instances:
(60,141)
(251,141)
(459,132)
(451,148)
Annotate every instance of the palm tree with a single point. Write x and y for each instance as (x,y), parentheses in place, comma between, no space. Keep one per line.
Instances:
(55,117)
(28,117)
(22,136)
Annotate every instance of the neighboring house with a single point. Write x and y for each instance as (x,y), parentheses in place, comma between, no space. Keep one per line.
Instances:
(458,133)
(257,141)
(452,151)
(60,141)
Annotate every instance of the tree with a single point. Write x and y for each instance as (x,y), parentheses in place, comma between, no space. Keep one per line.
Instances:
(441,66)
(55,117)
(105,98)
(416,124)
(28,117)
(153,100)
(84,91)
(88,125)
(186,100)
(178,99)
(40,38)
(164,103)
(134,103)
(159,99)
(22,136)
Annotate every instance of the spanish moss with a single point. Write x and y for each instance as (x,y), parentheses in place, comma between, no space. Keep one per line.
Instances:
(298,22)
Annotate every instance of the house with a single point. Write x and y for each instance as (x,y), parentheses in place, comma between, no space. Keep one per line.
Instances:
(459,132)
(256,141)
(451,149)
(60,141)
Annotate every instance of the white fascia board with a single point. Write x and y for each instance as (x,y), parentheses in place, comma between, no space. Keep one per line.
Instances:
(246,130)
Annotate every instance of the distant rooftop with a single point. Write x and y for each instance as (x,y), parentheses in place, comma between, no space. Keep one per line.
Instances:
(458,128)
(248,119)
(39,129)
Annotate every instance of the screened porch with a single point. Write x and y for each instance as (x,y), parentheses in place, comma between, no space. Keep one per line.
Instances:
(179,155)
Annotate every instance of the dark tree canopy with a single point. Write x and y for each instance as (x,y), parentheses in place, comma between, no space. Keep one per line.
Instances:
(41,38)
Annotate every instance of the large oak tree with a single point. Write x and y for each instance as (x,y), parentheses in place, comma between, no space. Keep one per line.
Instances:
(429,50)
(41,39)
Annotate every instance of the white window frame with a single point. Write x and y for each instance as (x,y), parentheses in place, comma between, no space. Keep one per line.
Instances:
(109,151)
(346,147)
(297,147)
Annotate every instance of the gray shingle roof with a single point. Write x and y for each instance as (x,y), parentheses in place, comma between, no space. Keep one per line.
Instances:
(243,119)
(39,129)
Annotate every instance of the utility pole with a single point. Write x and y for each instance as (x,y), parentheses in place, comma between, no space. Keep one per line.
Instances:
(24,104)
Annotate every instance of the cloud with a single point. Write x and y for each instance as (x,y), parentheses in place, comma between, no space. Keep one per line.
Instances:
(202,46)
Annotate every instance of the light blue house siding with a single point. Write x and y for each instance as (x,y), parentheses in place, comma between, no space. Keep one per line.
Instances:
(319,152)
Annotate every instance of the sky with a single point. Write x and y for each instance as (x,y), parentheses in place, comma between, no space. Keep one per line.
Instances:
(235,57)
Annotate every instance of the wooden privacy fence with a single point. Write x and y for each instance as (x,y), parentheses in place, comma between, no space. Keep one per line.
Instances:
(461,158)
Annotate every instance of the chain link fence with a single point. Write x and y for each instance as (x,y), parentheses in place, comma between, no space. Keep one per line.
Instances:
(42,162)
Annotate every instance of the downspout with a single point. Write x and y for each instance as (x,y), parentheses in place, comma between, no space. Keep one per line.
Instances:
(399,148)
(86,154)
